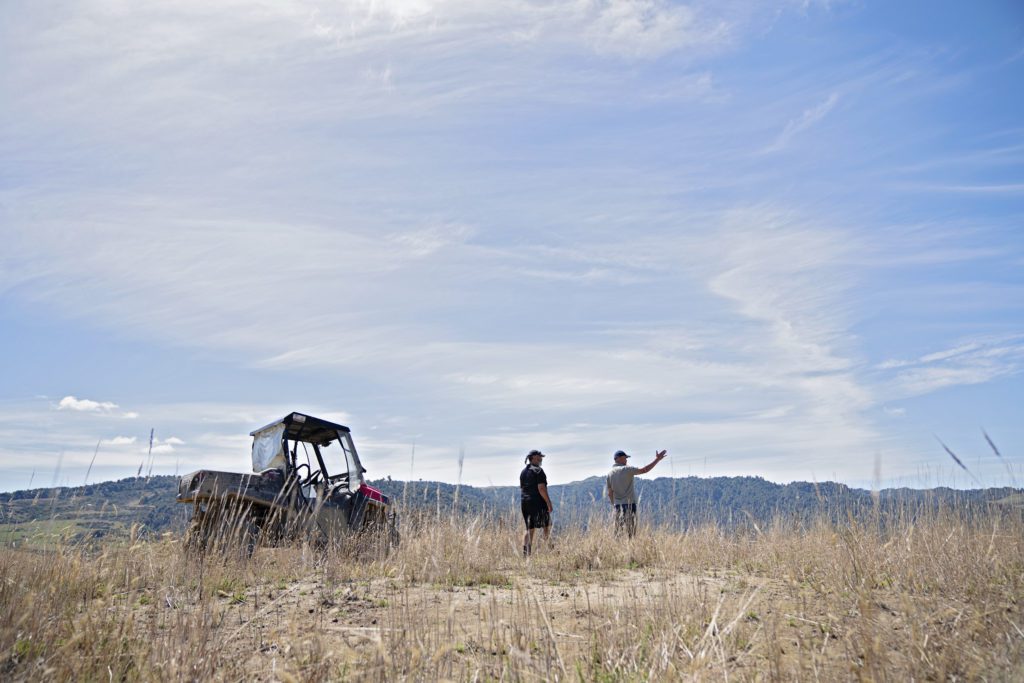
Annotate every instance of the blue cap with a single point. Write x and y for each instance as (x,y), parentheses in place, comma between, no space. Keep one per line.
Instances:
(620,454)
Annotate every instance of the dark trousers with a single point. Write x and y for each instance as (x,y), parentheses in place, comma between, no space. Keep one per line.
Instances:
(625,519)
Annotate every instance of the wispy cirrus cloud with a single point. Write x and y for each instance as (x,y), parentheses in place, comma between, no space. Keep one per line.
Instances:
(809,118)
(533,221)
(792,275)
(623,28)
(990,188)
(776,354)
(972,362)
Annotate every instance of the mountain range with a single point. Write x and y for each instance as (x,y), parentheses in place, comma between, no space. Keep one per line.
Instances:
(147,505)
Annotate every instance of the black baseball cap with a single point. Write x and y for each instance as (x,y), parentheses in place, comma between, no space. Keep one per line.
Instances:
(618,454)
(533,453)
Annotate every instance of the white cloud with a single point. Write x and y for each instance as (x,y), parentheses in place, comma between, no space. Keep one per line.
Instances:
(163,446)
(106,408)
(85,405)
(119,441)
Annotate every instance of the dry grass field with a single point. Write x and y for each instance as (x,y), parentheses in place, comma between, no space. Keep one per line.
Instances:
(932,598)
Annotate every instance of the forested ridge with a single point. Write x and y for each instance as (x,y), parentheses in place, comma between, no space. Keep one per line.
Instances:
(148,504)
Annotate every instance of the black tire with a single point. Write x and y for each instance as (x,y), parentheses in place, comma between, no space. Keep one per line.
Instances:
(250,536)
(394,536)
(382,536)
(197,534)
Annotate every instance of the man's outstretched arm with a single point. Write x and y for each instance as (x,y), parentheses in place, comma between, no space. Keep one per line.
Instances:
(657,458)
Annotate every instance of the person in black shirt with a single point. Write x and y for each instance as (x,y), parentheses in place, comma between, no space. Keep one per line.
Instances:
(533,487)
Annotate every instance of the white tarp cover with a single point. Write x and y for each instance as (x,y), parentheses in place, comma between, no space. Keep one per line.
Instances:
(267,449)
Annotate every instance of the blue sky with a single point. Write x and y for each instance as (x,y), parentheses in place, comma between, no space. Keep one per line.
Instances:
(777,239)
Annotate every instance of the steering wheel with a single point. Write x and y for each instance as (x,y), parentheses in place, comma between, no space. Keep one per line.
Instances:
(313,478)
(298,468)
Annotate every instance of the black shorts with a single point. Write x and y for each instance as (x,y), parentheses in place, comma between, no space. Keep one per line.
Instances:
(536,516)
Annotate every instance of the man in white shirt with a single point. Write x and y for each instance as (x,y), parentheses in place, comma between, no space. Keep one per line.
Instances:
(622,492)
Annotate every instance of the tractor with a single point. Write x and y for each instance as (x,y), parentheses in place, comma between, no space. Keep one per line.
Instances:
(306,482)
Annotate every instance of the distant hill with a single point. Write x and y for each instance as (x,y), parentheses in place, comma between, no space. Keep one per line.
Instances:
(727,501)
(111,509)
(94,511)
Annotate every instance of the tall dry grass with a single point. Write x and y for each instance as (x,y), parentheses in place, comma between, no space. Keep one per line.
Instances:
(933,595)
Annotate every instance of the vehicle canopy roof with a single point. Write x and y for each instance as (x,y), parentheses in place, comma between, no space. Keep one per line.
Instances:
(301,427)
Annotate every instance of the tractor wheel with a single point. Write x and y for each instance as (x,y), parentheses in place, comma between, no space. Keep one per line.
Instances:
(197,535)
(246,529)
(382,537)
(393,535)
(250,536)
